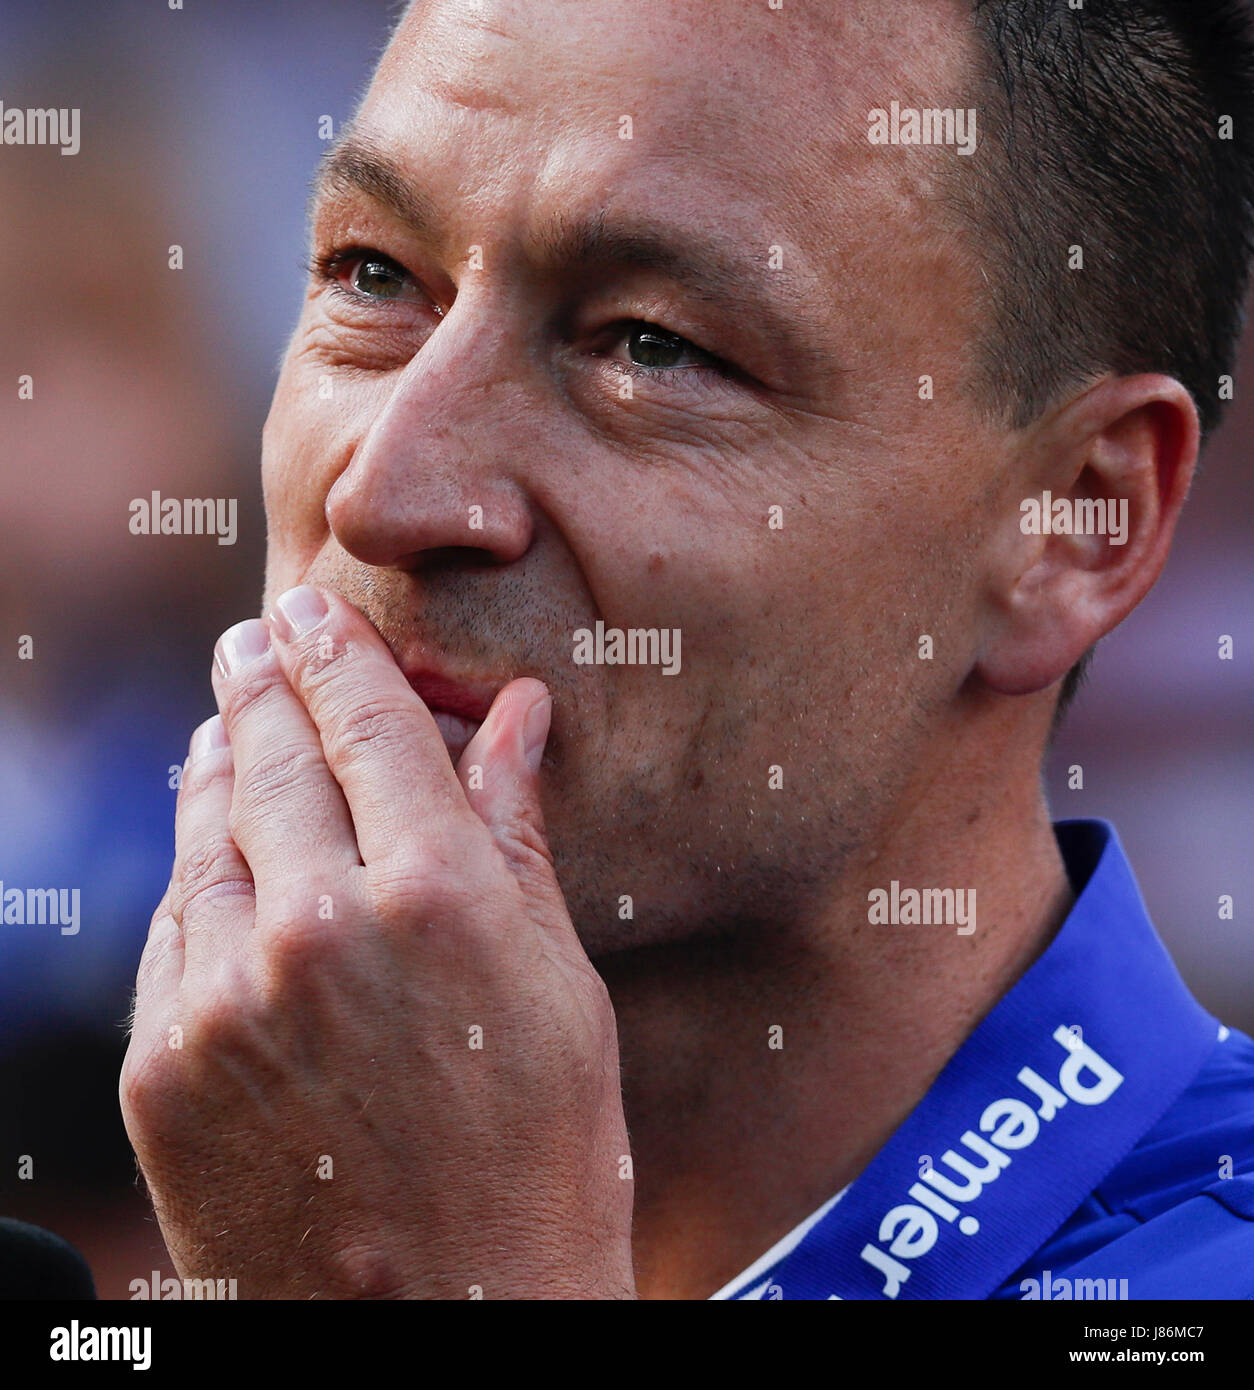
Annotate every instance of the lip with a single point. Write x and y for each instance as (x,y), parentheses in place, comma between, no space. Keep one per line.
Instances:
(458,707)
(446,695)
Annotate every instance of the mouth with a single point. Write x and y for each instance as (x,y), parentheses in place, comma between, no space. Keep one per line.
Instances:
(455,731)
(458,707)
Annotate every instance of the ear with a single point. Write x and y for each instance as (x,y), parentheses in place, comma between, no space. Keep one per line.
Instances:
(1101,484)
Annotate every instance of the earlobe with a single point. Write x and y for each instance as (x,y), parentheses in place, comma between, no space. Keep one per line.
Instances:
(1091,530)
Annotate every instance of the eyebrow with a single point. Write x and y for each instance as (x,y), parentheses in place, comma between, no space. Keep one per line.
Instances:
(700,264)
(704,266)
(354,164)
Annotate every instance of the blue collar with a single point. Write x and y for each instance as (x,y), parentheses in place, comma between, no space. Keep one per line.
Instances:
(1050,1092)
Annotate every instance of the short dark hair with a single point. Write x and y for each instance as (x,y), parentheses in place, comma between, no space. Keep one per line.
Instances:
(1102,129)
(1124,127)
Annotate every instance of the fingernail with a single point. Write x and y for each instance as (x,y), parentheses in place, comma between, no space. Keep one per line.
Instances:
(241,644)
(536,731)
(209,736)
(298,611)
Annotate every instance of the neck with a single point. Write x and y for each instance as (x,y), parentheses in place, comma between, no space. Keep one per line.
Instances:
(761,1077)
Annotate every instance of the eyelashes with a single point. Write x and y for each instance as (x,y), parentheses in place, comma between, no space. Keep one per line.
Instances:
(665,376)
(327,269)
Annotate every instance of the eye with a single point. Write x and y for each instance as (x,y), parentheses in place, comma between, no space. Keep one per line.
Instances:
(377,277)
(368,275)
(651,348)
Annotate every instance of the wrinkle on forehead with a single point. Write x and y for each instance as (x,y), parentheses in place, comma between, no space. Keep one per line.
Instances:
(775,102)
(802,69)
(747,120)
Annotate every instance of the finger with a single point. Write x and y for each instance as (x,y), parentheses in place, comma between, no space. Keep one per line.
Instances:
(287,815)
(505,790)
(381,742)
(159,976)
(152,1027)
(210,874)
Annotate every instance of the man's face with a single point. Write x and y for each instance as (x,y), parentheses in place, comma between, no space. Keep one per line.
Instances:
(475,348)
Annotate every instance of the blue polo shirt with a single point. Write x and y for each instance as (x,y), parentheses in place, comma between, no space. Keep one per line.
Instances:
(1093,1138)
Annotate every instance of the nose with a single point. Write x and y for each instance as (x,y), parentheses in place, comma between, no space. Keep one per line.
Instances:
(433,468)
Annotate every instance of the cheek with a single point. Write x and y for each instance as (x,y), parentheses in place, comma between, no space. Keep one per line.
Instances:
(316,422)
(306,444)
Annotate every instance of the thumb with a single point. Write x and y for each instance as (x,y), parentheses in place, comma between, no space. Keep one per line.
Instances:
(500,773)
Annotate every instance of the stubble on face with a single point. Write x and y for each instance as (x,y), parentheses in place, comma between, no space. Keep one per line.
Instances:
(801,658)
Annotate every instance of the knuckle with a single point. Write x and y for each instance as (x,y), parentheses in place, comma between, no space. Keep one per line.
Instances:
(163,937)
(246,688)
(219,1027)
(415,887)
(200,775)
(305,926)
(369,726)
(591,1018)
(274,775)
(145,1089)
(292,907)
(210,868)
(220,1021)
(525,843)
(294,937)
(135,1088)
(321,655)
(598,1008)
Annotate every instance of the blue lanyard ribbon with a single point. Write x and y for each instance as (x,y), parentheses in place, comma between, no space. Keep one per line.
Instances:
(1050,1092)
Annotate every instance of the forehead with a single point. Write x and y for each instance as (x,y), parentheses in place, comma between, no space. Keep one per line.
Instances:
(756,112)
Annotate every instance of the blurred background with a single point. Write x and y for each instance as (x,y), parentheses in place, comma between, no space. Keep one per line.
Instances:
(200,129)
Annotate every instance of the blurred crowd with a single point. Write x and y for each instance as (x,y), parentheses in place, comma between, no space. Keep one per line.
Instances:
(199,130)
